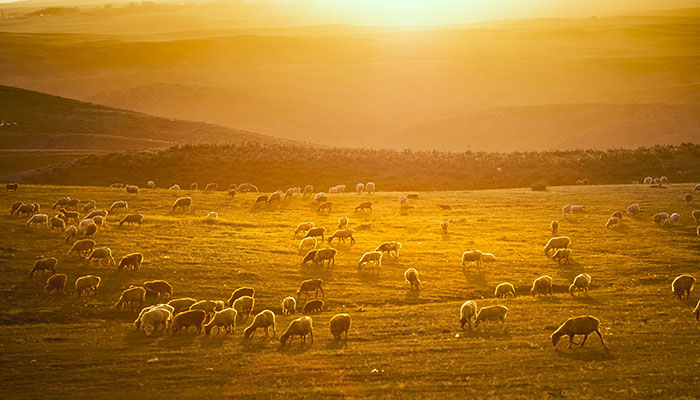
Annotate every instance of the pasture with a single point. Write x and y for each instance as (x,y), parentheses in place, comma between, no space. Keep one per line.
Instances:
(402,343)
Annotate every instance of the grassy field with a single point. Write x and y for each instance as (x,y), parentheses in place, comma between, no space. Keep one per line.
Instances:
(402,343)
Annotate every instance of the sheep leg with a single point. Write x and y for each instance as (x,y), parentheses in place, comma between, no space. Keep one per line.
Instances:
(322,293)
(601,337)
(584,340)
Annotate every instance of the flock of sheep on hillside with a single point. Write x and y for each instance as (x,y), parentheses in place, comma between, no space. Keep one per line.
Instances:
(176,314)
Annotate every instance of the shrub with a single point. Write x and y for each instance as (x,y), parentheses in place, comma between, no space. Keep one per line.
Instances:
(539,186)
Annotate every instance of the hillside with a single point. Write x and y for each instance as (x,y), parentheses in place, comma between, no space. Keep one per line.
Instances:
(40,121)
(274,166)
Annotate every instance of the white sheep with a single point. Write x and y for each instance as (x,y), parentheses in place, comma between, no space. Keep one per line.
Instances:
(39,219)
(340,323)
(139,319)
(244,306)
(371,257)
(119,205)
(566,210)
(683,284)
(505,289)
(648,180)
(151,184)
(472,256)
(389,247)
(612,222)
(555,243)
(370,187)
(360,187)
(264,319)
(102,254)
(132,189)
(308,243)
(225,318)
(696,312)
(303,227)
(212,217)
(467,313)
(154,319)
(174,187)
(674,218)
(299,327)
(411,276)
(289,305)
(208,306)
(182,203)
(583,325)
(581,284)
(555,227)
(343,222)
(403,201)
(87,283)
(577,208)
(488,257)
(491,313)
(542,286)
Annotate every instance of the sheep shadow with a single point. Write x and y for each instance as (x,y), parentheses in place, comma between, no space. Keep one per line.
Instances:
(585,354)
(296,347)
(476,277)
(487,332)
(181,340)
(587,299)
(334,344)
(254,345)
(214,341)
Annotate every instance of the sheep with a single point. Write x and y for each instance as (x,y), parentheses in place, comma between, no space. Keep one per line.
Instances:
(94,213)
(343,222)
(681,285)
(12,187)
(299,327)
(310,285)
(212,217)
(583,325)
(674,218)
(194,186)
(488,257)
(264,319)
(24,209)
(370,187)
(100,254)
(82,247)
(505,289)
(688,198)
(174,187)
(364,207)
(39,219)
(342,234)
(15,206)
(57,223)
(303,227)
(132,189)
(132,219)
(340,188)
(319,198)
(186,319)
(566,210)
(165,307)
(244,306)
(309,257)
(360,187)
(72,204)
(87,283)
(247,187)
(70,215)
(313,306)
(308,189)
(696,312)
(542,286)
(316,232)
(696,189)
(289,305)
(340,323)
(648,180)
(210,306)
(151,184)
(491,313)
(562,256)
(70,232)
(56,283)
(555,243)
(443,226)
(44,264)
(131,296)
(181,304)
(62,202)
(664,180)
(211,187)
(472,256)
(411,276)
(225,318)
(275,197)
(389,247)
(182,203)
(403,201)
(132,261)
(578,208)
(90,230)
(612,222)
(325,207)
(660,218)
(232,193)
(696,215)
(373,257)
(154,318)
(327,254)
(581,284)
(119,205)
(82,226)
(467,313)
(307,243)
(116,185)
(238,293)
(159,288)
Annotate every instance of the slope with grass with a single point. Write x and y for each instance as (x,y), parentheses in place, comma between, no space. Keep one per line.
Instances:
(402,343)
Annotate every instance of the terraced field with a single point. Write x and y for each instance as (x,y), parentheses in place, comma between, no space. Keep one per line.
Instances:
(402,343)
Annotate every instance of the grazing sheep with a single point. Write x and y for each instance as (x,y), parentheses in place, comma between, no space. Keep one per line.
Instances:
(681,285)
(95,213)
(696,188)
(289,305)
(648,180)
(102,254)
(261,199)
(99,221)
(443,226)
(225,318)
(210,306)
(555,243)
(247,187)
(313,306)
(44,264)
(373,257)
(327,254)
(15,206)
(188,318)
(181,304)
(664,180)
(25,210)
(308,244)
(194,186)
(154,322)
(131,296)
(617,214)
(472,256)
(70,215)
(488,257)
(12,187)
(343,222)
(212,217)
(566,210)
(310,285)
(555,227)
(578,208)
(62,202)
(325,207)
(674,218)
(467,313)
(562,256)
(403,201)
(660,218)
(182,203)
(244,306)
(389,247)
(232,193)
(211,187)
(308,189)
(505,289)
(70,232)
(309,257)
(370,187)
(316,232)
(264,319)
(238,293)
(342,234)
(299,327)
(696,215)
(411,276)
(87,283)
(57,223)
(696,312)
(360,187)
(131,261)
(320,197)
(542,286)
(275,197)
(581,284)
(583,325)
(82,247)
(155,318)
(151,185)
(612,222)
(72,204)
(119,205)
(364,207)
(174,187)
(132,219)
(39,219)
(491,313)
(132,189)
(303,227)
(633,210)
(90,230)
(56,283)
(159,288)
(340,323)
